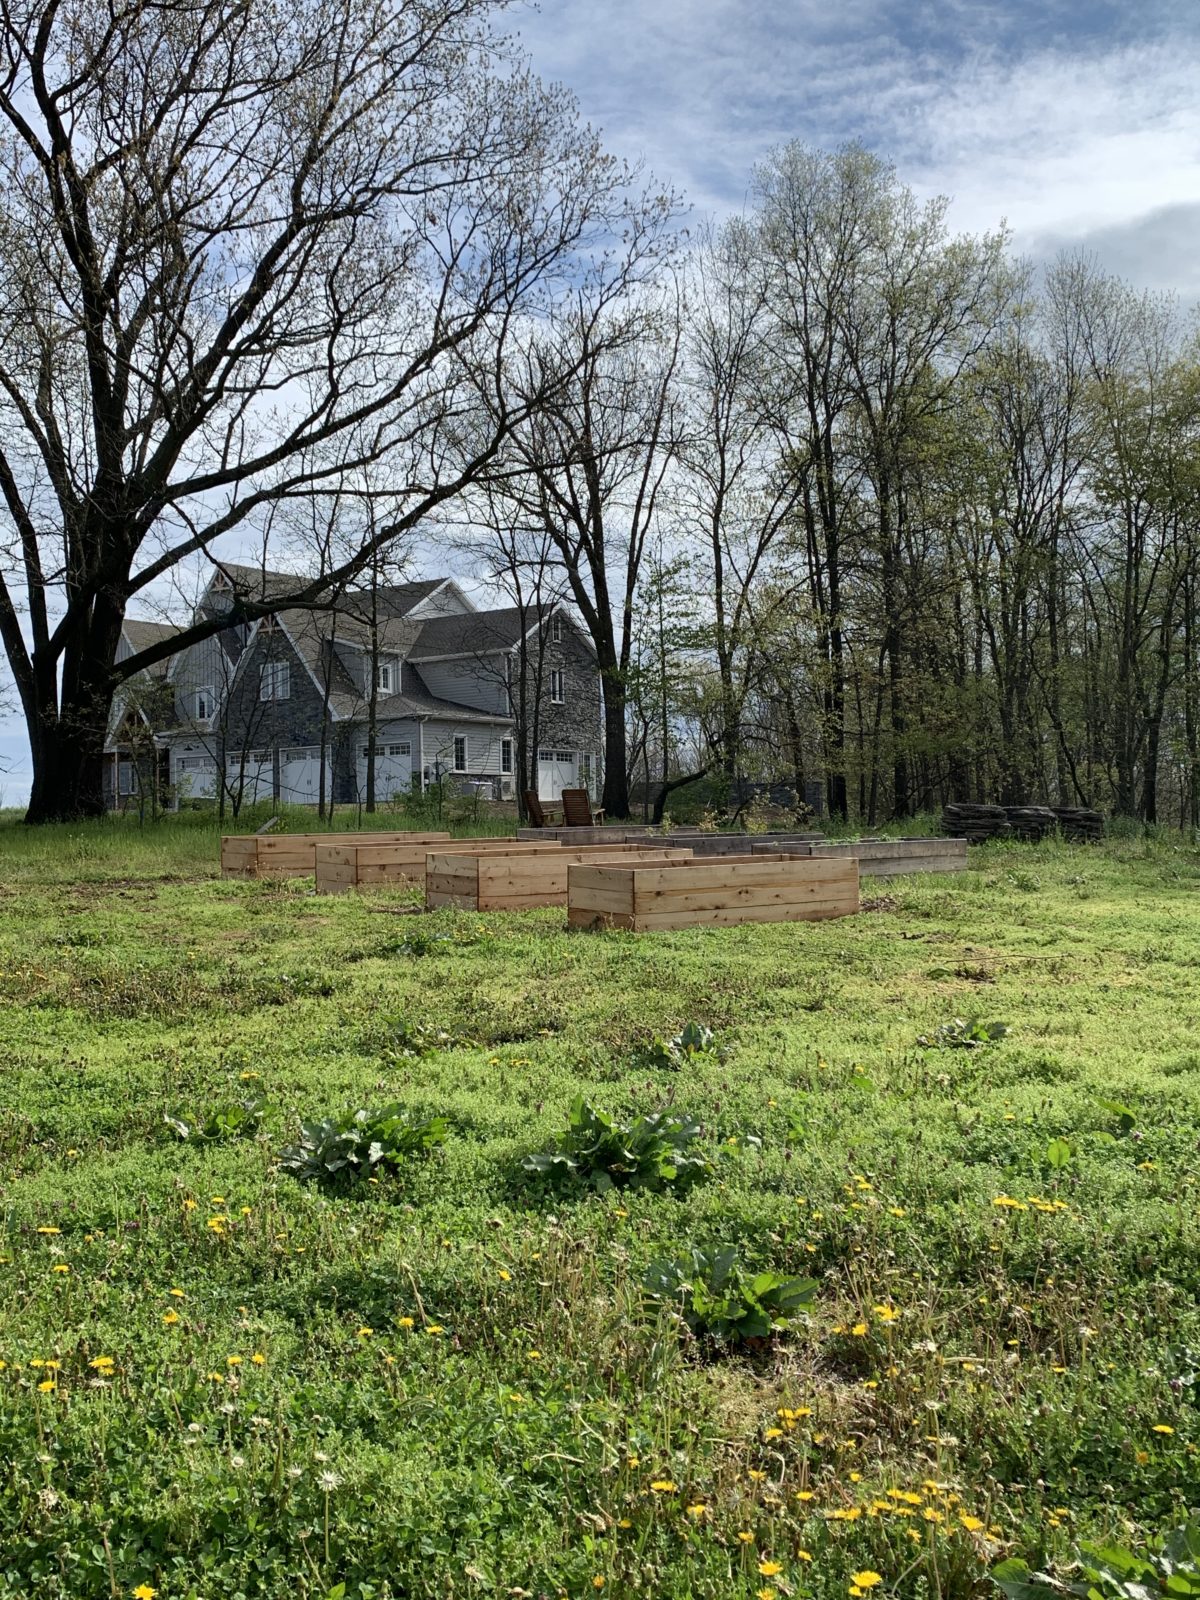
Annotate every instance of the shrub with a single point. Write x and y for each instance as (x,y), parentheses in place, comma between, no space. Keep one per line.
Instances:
(347,1150)
(598,1152)
(719,1298)
(239,1119)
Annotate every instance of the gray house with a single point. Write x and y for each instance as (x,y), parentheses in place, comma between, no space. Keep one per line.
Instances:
(283,708)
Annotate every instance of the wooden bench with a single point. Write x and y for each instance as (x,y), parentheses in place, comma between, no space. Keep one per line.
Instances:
(343,867)
(510,882)
(293,855)
(710,893)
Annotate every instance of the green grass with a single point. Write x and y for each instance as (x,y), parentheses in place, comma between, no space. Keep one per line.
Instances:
(459,1392)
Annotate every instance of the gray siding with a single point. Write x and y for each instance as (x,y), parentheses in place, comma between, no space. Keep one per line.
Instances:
(483,747)
(477,682)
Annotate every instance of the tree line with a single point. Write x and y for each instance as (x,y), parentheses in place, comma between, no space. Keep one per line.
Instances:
(839,495)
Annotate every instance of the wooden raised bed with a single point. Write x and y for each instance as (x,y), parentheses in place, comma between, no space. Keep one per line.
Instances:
(293,855)
(510,882)
(892,858)
(343,867)
(711,893)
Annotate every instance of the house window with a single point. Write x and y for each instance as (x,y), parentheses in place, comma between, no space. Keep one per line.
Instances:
(557,686)
(460,754)
(506,757)
(205,704)
(276,681)
(556,629)
(196,764)
(383,677)
(128,778)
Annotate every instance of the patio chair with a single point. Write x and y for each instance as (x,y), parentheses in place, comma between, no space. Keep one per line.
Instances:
(577,810)
(540,816)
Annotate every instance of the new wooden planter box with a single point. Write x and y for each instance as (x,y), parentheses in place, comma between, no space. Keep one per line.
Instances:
(892,858)
(343,867)
(293,855)
(711,893)
(511,882)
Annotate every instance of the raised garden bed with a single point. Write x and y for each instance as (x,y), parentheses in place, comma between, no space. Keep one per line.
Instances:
(887,858)
(778,888)
(343,867)
(511,882)
(293,855)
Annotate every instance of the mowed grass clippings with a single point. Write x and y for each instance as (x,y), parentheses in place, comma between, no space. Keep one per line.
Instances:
(220,1381)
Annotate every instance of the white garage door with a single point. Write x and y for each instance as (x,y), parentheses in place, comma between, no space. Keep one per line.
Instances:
(253,773)
(300,777)
(556,772)
(196,777)
(393,770)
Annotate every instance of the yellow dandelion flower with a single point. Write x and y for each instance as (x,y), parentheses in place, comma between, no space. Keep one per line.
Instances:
(971,1524)
(866,1580)
(60,1266)
(1162,1427)
(506,1277)
(770,1569)
(171,1318)
(365,1333)
(859,1329)
(698,1510)
(746,1536)
(144,1591)
(435,1328)
(773,1433)
(407,1322)
(47,1384)
(803,1555)
(49,1230)
(663,1486)
(259,1359)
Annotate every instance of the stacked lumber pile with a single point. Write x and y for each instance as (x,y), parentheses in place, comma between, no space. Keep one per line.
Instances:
(964,820)
(1031,823)
(1080,823)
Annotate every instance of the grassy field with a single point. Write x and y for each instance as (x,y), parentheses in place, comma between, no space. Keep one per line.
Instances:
(220,1381)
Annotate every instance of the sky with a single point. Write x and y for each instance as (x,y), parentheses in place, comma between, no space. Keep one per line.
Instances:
(1074,122)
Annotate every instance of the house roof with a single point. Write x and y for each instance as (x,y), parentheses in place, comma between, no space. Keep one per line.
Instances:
(309,633)
(472,633)
(141,635)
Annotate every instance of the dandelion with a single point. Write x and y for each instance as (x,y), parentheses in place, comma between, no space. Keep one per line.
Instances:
(60,1266)
(971,1524)
(506,1277)
(328,1481)
(435,1328)
(177,1294)
(47,1385)
(535,1355)
(171,1318)
(770,1569)
(365,1333)
(803,1555)
(233,1361)
(755,1475)
(259,1359)
(597,1582)
(897,1211)
(407,1322)
(1162,1427)
(773,1433)
(144,1592)
(859,1329)
(49,1230)
(101,1364)
(865,1580)
(767,1594)
(698,1510)
(746,1536)
(886,1313)
(663,1486)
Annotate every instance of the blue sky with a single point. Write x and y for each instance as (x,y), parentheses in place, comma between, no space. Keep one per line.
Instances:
(1077,123)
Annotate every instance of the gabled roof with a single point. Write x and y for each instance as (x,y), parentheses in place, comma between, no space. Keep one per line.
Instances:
(141,635)
(473,633)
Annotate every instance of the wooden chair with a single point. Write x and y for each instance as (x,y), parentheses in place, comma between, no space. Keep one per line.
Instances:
(577,810)
(539,816)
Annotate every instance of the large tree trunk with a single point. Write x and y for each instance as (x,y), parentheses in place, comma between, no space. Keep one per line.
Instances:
(616,777)
(67,728)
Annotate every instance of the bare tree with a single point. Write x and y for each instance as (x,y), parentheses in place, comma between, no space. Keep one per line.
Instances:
(596,452)
(242,262)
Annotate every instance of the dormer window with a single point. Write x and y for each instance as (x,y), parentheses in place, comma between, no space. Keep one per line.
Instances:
(387,676)
(205,704)
(556,628)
